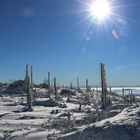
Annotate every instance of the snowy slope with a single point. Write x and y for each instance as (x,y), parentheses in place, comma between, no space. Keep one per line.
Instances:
(124,126)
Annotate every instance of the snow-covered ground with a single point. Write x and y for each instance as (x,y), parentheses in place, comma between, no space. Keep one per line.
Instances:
(124,126)
(121,120)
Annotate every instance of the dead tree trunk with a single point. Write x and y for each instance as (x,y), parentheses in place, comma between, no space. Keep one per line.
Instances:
(80,106)
(78,87)
(131,95)
(31,77)
(69,118)
(104,87)
(86,85)
(55,89)
(48,79)
(123,91)
(27,89)
(110,89)
(68,99)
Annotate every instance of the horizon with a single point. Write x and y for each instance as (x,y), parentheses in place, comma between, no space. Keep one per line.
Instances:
(59,37)
(73,85)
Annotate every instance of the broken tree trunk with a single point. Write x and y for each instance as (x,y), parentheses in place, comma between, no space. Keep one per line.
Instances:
(55,89)
(123,91)
(86,85)
(110,89)
(27,88)
(78,87)
(48,79)
(131,96)
(68,99)
(104,87)
(80,106)
(31,77)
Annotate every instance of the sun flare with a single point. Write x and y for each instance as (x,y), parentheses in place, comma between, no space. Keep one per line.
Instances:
(100,9)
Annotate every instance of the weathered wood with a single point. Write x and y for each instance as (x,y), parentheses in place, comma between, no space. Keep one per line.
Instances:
(78,87)
(31,76)
(123,91)
(110,89)
(104,87)
(27,88)
(48,79)
(55,89)
(87,85)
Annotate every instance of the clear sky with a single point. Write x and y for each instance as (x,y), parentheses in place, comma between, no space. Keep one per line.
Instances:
(58,36)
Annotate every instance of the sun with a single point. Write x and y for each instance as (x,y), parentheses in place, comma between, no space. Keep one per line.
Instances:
(100,9)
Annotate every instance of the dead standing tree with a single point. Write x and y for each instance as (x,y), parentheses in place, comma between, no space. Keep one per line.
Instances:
(103,86)
(110,89)
(55,89)
(49,83)
(27,88)
(87,86)
(69,94)
(31,77)
(78,87)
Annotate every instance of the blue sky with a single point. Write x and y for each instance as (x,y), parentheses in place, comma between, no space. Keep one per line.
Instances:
(53,35)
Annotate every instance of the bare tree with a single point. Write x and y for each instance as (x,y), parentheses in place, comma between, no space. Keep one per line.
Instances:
(27,88)
(78,87)
(55,89)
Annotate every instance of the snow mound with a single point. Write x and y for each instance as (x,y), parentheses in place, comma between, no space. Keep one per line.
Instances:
(124,126)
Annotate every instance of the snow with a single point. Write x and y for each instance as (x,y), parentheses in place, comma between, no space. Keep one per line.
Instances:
(119,127)
(41,123)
